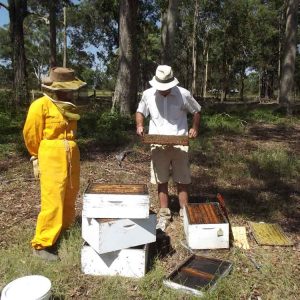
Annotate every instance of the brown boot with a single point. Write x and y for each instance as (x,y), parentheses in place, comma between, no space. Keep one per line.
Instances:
(45,254)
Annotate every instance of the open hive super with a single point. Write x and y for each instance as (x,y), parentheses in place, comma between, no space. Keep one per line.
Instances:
(205,213)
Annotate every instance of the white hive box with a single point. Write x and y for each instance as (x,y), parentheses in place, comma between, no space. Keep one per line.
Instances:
(116,201)
(205,226)
(106,235)
(131,262)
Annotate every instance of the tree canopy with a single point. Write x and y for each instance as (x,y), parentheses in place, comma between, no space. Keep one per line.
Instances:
(225,47)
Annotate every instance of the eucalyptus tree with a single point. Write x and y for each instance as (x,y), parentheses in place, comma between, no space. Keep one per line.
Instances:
(95,23)
(50,13)
(126,86)
(168,30)
(6,70)
(17,10)
(265,46)
(37,50)
(148,40)
(289,56)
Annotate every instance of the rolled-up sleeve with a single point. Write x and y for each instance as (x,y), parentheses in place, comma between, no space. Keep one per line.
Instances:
(33,128)
(143,107)
(191,104)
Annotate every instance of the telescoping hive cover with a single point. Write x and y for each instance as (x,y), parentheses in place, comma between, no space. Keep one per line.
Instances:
(197,274)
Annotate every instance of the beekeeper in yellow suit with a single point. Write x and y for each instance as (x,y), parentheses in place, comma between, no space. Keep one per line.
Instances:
(49,134)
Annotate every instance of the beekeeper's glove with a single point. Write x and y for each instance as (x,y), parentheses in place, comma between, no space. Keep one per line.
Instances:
(35,164)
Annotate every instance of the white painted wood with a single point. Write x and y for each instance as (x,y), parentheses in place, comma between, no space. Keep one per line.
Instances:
(131,262)
(183,288)
(116,206)
(106,235)
(206,236)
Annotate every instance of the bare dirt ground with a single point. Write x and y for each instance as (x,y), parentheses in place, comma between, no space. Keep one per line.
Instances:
(247,198)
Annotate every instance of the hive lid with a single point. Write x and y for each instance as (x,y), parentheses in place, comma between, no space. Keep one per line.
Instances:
(27,288)
(205,213)
(130,189)
(198,272)
(166,139)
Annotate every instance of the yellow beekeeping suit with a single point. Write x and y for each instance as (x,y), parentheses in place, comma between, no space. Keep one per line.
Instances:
(50,137)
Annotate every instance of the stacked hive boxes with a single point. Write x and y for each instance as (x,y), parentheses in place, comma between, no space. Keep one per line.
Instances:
(117,227)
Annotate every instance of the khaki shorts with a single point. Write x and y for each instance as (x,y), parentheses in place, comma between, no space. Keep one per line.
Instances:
(170,160)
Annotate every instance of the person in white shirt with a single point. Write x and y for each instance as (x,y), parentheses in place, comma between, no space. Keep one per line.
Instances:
(168,105)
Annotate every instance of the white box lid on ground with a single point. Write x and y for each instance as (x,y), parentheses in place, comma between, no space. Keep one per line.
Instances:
(116,201)
(205,226)
(106,235)
(131,262)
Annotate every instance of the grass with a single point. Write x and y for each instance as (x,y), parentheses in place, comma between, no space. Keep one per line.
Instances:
(258,178)
(69,283)
(266,163)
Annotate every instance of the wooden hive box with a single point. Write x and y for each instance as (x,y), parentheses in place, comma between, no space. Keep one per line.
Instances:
(205,226)
(116,201)
(130,262)
(197,274)
(165,139)
(106,235)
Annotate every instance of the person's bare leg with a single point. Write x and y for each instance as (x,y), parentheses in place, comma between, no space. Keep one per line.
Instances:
(183,195)
(163,195)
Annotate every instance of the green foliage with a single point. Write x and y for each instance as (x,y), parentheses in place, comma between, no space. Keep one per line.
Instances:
(263,115)
(6,96)
(272,164)
(111,129)
(222,123)
(11,139)
(106,128)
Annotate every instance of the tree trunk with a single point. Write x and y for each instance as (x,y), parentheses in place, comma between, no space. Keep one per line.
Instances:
(125,94)
(52,21)
(17,13)
(289,56)
(194,49)
(168,32)
(242,74)
(205,80)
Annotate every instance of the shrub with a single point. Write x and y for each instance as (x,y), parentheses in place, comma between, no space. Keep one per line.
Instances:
(271,164)
(107,128)
(222,123)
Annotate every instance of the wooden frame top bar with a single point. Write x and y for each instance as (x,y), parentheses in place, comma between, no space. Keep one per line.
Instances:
(165,139)
(130,189)
(205,213)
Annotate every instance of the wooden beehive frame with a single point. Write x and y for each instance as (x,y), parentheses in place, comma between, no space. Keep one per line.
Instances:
(165,139)
(131,189)
(205,213)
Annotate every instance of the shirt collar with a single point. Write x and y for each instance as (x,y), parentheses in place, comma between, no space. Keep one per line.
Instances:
(172,92)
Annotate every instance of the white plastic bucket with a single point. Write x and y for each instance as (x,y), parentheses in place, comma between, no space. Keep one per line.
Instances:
(33,287)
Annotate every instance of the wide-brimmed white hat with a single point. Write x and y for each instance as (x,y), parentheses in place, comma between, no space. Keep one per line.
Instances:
(62,79)
(164,78)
